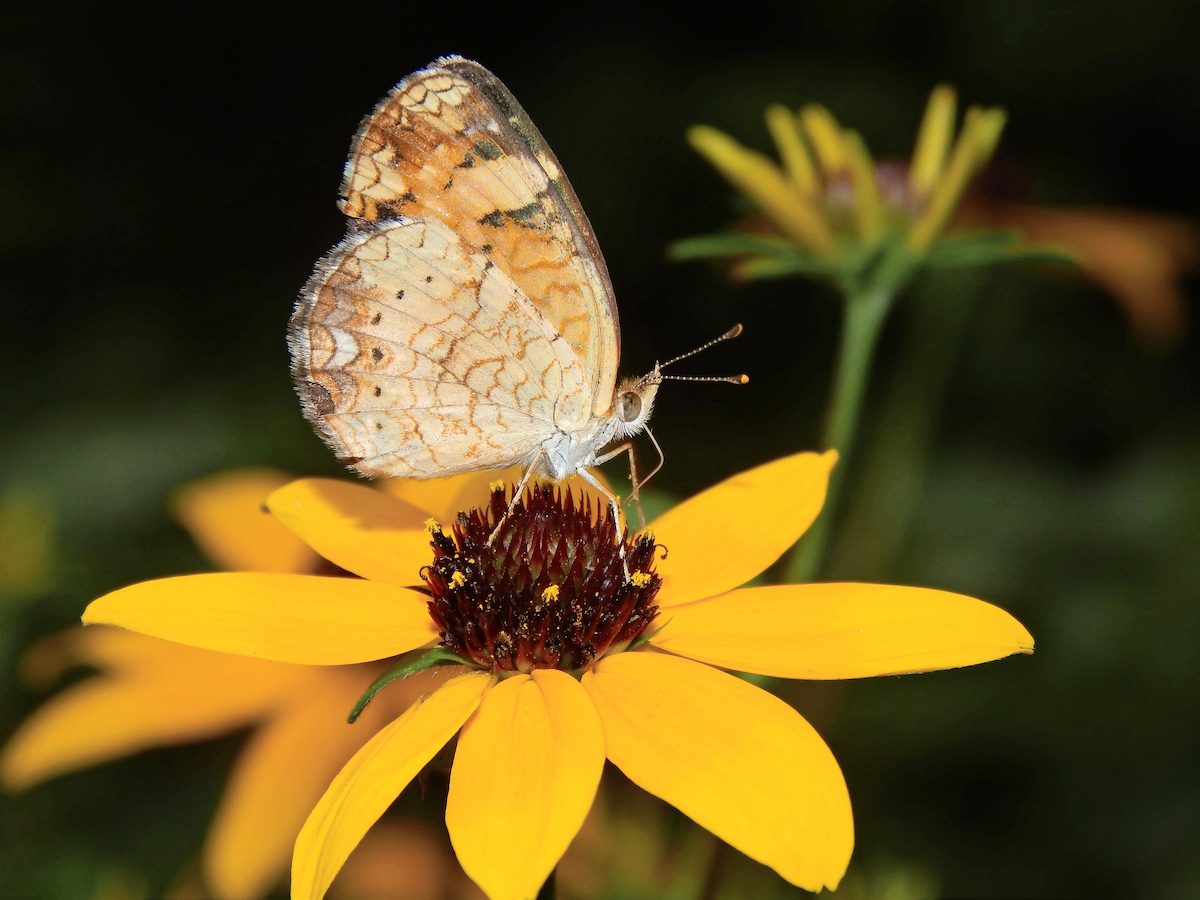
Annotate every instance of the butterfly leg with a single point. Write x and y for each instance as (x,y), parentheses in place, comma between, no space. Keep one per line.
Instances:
(627,447)
(614,505)
(517,494)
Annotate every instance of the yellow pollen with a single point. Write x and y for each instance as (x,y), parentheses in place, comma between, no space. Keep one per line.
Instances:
(432,525)
(640,579)
(550,593)
(495,486)
(458,579)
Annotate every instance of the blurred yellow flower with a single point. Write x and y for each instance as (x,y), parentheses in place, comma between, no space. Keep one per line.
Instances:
(832,209)
(546,689)
(153,693)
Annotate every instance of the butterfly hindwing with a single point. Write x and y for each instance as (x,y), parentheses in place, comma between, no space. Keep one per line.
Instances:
(451,144)
(416,356)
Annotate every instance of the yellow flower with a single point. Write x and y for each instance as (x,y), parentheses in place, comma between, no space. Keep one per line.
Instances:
(152,693)
(547,691)
(834,211)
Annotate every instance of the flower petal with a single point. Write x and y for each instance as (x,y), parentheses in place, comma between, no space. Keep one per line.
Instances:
(445,498)
(226,516)
(525,774)
(288,618)
(757,176)
(723,537)
(103,718)
(842,631)
(363,530)
(735,759)
(280,776)
(376,775)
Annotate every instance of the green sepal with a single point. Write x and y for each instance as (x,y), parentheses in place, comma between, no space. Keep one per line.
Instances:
(413,664)
(985,248)
(642,640)
(706,246)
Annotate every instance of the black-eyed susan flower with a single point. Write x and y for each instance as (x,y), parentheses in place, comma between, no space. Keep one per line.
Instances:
(827,209)
(153,693)
(546,684)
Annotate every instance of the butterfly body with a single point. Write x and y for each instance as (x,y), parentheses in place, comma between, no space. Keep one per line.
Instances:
(467,321)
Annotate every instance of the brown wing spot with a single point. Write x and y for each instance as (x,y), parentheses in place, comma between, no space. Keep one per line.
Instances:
(400,294)
(379,426)
(378,391)
(376,354)
(487,150)
(495,218)
(428,279)
(318,398)
(377,318)
(527,214)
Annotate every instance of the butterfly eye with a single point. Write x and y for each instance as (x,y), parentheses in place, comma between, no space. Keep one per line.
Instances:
(630,406)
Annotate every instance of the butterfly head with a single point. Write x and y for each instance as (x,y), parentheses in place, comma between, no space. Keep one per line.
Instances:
(634,397)
(633,402)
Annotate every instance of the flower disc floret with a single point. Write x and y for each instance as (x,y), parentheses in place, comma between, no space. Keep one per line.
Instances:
(549,592)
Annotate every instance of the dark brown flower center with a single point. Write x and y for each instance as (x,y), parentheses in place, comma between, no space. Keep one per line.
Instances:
(550,592)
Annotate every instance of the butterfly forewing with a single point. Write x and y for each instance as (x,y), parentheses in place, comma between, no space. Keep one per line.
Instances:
(450,143)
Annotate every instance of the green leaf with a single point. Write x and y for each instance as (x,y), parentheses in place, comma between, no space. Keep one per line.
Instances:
(985,248)
(706,246)
(415,662)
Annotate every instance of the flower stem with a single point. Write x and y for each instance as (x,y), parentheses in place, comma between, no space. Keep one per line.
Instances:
(865,312)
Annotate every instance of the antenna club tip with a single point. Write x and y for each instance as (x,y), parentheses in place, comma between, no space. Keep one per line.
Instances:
(734,331)
(742,379)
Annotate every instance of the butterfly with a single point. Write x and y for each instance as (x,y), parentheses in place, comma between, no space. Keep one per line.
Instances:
(467,321)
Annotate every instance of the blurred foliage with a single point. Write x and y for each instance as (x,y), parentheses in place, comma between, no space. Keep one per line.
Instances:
(165,189)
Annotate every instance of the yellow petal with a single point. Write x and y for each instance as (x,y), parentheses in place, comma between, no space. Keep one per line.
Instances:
(974,147)
(104,718)
(933,140)
(826,136)
(525,774)
(842,631)
(280,776)
(735,759)
(226,516)
(356,527)
(725,536)
(868,205)
(376,775)
(761,180)
(785,131)
(445,498)
(288,618)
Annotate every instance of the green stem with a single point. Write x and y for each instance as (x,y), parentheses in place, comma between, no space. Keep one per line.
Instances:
(865,312)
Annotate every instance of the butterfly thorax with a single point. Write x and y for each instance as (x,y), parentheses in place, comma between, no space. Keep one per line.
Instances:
(568,452)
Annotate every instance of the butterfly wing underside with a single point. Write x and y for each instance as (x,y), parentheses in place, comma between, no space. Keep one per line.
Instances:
(469,314)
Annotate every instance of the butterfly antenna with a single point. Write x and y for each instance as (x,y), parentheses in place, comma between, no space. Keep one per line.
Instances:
(727,336)
(729,379)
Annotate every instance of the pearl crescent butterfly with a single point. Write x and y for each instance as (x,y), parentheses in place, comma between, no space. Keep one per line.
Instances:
(467,321)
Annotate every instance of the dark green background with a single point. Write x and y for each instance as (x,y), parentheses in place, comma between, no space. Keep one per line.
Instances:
(167,182)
